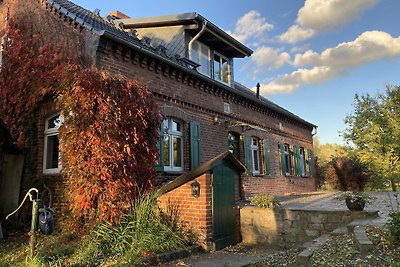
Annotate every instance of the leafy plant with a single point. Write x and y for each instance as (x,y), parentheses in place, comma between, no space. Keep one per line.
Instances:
(141,233)
(109,132)
(264,201)
(394,225)
(354,196)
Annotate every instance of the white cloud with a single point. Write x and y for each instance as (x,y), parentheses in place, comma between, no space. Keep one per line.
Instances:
(296,34)
(368,47)
(289,83)
(250,25)
(270,57)
(320,15)
(300,49)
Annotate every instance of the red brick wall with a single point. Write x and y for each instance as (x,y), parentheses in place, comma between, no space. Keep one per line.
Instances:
(189,98)
(193,212)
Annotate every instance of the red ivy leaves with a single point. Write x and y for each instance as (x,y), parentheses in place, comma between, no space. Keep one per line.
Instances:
(29,73)
(111,125)
(109,134)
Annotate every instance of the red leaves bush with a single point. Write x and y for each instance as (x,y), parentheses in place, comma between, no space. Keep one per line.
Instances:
(108,138)
(29,73)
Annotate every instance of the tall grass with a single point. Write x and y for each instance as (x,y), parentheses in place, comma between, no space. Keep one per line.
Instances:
(141,232)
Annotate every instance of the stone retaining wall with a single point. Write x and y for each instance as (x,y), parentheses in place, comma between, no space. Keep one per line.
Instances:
(288,227)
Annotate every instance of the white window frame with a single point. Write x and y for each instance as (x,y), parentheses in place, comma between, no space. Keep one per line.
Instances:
(255,150)
(220,69)
(200,47)
(171,134)
(48,133)
(287,158)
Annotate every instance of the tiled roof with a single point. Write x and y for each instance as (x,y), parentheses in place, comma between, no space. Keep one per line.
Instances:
(250,94)
(95,23)
(89,19)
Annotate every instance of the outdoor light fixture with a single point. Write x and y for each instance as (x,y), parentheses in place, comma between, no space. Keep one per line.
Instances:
(215,119)
(195,189)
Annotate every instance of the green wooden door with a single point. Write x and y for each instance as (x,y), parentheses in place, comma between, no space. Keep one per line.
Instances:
(224,221)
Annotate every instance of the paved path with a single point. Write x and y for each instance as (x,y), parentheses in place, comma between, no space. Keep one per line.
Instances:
(240,255)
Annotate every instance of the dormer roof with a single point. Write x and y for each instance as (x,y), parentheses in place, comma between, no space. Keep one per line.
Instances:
(213,36)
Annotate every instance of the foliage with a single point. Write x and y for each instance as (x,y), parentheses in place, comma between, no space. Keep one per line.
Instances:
(109,132)
(325,174)
(374,130)
(28,74)
(350,172)
(109,141)
(139,234)
(264,201)
(394,225)
(135,239)
(354,197)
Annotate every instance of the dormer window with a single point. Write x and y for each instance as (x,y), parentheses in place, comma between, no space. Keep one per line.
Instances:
(212,63)
(221,68)
(201,55)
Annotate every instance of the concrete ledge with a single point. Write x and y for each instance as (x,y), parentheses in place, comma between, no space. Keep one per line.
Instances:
(362,240)
(304,256)
(340,231)
(173,255)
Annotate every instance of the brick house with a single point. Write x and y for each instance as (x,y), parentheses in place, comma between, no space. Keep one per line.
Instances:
(187,63)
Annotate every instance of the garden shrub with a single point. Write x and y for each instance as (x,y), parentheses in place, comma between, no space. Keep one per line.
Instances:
(348,173)
(394,225)
(110,127)
(264,201)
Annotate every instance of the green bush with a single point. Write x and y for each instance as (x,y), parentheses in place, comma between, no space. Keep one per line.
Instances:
(139,234)
(264,201)
(394,225)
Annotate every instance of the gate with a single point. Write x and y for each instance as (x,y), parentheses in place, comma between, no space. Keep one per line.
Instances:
(223,203)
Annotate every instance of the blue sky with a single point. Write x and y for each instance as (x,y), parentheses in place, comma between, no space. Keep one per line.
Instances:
(311,56)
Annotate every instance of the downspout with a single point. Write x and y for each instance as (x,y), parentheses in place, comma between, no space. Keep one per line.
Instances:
(196,37)
(315,132)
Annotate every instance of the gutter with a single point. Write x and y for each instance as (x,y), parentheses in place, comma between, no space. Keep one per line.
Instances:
(201,76)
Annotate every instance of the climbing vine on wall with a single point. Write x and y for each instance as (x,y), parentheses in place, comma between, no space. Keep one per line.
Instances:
(108,137)
(29,73)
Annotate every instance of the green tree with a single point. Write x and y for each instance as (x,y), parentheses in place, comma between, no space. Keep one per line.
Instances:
(374,130)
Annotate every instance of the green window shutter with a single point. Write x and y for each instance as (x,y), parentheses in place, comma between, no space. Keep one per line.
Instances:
(267,168)
(310,162)
(283,159)
(160,148)
(194,144)
(247,153)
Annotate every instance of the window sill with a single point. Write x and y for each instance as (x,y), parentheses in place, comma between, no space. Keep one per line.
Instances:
(171,172)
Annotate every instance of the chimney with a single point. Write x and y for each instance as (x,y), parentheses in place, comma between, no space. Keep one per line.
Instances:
(258,91)
(118,15)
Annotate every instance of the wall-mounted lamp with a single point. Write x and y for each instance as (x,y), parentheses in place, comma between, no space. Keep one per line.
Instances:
(215,119)
(195,189)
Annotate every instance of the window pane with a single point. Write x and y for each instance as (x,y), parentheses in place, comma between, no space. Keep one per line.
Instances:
(54,122)
(256,162)
(177,141)
(217,67)
(166,151)
(225,70)
(204,60)
(176,126)
(165,126)
(52,153)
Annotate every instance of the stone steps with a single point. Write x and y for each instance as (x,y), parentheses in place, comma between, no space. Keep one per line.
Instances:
(357,227)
